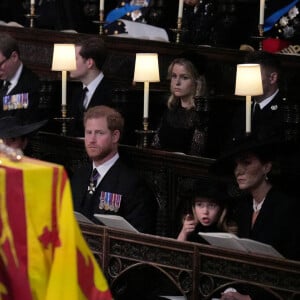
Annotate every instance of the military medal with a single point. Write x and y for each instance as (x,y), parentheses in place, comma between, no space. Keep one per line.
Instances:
(91,188)
(109,201)
(102,200)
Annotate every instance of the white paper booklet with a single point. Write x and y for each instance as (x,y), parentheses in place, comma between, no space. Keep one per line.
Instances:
(231,241)
(82,218)
(143,31)
(11,24)
(115,221)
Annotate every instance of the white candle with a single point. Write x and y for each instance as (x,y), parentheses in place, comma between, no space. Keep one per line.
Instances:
(180,9)
(32,2)
(262,12)
(101,5)
(248,114)
(64,87)
(146,99)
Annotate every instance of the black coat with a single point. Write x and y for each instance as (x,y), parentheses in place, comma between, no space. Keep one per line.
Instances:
(101,96)
(276,224)
(28,83)
(269,123)
(138,204)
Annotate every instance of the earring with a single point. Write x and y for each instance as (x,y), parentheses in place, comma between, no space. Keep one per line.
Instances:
(266,177)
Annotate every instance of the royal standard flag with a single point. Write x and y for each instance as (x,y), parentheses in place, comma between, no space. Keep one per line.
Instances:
(43,255)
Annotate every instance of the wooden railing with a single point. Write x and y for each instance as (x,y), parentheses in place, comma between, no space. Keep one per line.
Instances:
(193,270)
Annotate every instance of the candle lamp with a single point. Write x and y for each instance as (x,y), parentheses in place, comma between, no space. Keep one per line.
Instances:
(101,21)
(260,36)
(31,16)
(63,60)
(179,28)
(146,70)
(248,83)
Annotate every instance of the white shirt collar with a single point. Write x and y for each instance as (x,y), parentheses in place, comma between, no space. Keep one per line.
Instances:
(266,101)
(104,168)
(14,80)
(257,207)
(92,87)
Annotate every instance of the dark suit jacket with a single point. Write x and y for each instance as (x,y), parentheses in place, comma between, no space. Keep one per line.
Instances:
(101,96)
(269,123)
(28,83)
(138,204)
(276,224)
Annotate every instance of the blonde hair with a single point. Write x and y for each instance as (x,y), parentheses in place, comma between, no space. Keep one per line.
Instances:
(199,80)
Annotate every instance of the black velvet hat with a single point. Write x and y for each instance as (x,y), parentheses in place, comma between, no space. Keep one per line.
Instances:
(265,149)
(214,190)
(12,127)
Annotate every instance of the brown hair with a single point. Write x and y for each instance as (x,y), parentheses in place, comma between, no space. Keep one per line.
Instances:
(8,45)
(114,119)
(93,47)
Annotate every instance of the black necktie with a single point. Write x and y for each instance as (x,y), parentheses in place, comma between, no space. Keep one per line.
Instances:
(5,87)
(83,94)
(256,111)
(93,181)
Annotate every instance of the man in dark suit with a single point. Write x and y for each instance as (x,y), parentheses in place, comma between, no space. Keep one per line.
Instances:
(267,109)
(95,90)
(114,188)
(19,86)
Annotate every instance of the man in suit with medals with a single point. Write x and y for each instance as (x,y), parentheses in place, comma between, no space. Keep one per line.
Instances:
(95,88)
(19,86)
(107,185)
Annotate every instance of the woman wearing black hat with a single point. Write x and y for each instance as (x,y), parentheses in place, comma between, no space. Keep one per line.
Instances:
(15,133)
(181,129)
(264,213)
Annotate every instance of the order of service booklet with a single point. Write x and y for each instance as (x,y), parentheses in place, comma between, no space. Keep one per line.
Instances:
(231,241)
(115,221)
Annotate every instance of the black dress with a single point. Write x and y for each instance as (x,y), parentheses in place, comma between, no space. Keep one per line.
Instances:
(180,130)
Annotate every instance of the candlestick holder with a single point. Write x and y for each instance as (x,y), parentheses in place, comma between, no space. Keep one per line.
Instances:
(144,134)
(31,16)
(260,37)
(179,30)
(101,22)
(64,120)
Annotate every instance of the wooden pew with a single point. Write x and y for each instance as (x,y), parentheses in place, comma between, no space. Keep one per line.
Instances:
(196,271)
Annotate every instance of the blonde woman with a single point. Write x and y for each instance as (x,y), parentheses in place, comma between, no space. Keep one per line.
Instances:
(181,129)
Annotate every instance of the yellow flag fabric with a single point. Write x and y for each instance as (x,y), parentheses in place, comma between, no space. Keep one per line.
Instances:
(43,255)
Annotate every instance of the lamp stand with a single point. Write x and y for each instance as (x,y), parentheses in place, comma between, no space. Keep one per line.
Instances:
(144,134)
(31,16)
(64,120)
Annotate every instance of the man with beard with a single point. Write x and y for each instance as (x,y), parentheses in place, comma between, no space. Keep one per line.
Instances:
(106,185)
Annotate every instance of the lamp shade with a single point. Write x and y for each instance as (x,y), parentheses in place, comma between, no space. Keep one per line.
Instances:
(146,67)
(63,57)
(248,80)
